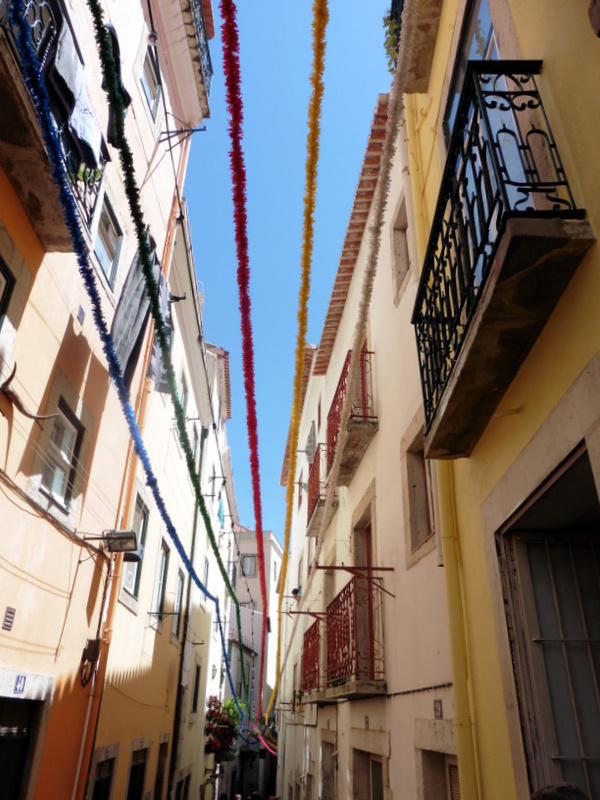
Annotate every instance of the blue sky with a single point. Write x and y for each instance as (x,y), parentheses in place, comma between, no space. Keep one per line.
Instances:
(276,59)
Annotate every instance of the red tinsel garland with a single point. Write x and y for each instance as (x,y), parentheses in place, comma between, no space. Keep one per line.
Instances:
(231,68)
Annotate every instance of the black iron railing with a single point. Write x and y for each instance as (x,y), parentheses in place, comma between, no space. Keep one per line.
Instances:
(207,70)
(502,162)
(45,18)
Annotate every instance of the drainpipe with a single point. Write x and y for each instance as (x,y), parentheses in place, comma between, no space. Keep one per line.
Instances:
(89,734)
(463,723)
(127,489)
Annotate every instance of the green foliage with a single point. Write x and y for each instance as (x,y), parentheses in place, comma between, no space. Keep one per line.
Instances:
(391,40)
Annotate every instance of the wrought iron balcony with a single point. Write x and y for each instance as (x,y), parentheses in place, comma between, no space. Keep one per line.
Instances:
(311,660)
(317,491)
(506,238)
(362,425)
(202,39)
(355,659)
(22,152)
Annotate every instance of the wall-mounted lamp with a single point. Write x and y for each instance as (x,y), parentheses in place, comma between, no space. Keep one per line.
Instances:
(119,542)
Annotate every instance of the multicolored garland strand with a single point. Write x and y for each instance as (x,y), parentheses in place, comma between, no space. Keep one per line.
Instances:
(319,27)
(35,84)
(111,84)
(378,208)
(231,68)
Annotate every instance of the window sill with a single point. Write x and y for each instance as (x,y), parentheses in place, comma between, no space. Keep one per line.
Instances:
(129,600)
(54,500)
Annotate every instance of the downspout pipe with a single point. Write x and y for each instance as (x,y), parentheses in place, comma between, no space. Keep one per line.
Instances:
(463,721)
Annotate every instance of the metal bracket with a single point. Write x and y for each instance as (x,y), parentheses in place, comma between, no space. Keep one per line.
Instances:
(359,572)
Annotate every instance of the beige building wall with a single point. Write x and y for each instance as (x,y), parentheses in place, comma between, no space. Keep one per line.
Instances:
(356,734)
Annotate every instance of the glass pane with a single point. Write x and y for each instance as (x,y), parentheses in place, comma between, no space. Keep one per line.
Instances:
(64,435)
(479,43)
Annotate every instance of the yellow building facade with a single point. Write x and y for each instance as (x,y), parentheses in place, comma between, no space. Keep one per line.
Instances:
(106,656)
(506,207)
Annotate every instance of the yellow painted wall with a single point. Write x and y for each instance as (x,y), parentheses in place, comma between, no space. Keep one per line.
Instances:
(561,35)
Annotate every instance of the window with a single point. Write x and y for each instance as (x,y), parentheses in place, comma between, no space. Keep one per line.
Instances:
(183,394)
(176,624)
(7,282)
(249,566)
(133,569)
(103,779)
(452,780)
(108,243)
(61,458)
(376,780)
(274,571)
(300,487)
(400,257)
(137,774)
(158,602)
(550,558)
(182,790)
(161,770)
(370,776)
(478,41)
(151,81)
(196,692)
(417,496)
(206,569)
(195,441)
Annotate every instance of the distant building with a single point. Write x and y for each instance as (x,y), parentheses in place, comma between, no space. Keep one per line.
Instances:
(254,769)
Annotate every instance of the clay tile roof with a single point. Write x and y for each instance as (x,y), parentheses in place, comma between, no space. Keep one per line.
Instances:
(354,235)
(209,20)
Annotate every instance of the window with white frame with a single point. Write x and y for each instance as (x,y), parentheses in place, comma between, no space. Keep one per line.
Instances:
(150,81)
(107,245)
(61,457)
(183,394)
(249,566)
(195,442)
(162,567)
(132,570)
(176,625)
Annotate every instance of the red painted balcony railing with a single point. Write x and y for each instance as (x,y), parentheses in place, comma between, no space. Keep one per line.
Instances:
(363,408)
(354,641)
(311,674)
